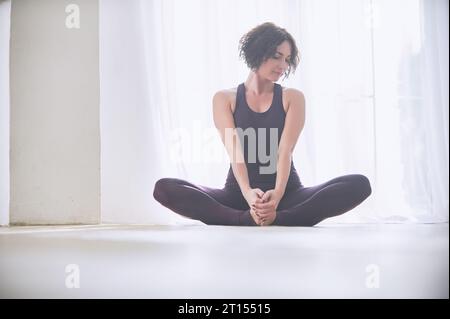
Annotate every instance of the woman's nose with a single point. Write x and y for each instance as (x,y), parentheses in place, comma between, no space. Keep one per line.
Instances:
(284,65)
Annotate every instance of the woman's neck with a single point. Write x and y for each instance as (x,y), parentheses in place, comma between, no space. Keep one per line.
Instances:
(257,85)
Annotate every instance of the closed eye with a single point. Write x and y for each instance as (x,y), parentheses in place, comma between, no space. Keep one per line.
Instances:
(277,57)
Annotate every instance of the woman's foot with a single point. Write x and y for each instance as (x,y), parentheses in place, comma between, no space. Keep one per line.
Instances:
(247,219)
(255,217)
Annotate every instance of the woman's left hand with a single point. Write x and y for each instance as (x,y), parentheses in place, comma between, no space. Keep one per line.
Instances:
(266,207)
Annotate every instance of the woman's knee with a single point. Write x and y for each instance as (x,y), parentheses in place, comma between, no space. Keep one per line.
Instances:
(161,190)
(361,185)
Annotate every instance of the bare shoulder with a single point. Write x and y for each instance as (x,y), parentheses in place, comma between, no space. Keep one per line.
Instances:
(226,93)
(293,93)
(293,96)
(228,96)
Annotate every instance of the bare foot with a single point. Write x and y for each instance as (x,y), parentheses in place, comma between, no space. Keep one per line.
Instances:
(269,219)
(255,217)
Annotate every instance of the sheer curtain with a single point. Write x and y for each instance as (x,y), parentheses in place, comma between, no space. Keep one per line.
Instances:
(374,74)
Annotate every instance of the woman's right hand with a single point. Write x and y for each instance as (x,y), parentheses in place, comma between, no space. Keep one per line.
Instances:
(252,196)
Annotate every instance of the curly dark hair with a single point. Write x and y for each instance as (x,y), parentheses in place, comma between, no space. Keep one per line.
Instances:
(260,43)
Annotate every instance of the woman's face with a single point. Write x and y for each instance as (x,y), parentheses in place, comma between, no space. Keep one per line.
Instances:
(274,67)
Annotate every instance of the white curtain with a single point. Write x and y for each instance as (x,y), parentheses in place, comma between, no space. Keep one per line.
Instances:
(374,74)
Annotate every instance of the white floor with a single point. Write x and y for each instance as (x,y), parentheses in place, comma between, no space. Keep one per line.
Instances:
(332,261)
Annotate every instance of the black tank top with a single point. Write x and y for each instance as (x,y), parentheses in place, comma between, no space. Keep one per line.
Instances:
(274,117)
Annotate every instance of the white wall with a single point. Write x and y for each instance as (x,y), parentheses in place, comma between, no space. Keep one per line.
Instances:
(55,130)
(5,7)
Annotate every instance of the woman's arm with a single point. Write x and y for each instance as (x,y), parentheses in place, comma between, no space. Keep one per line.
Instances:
(224,122)
(294,123)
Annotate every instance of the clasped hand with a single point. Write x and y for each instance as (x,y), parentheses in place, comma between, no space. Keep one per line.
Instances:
(263,205)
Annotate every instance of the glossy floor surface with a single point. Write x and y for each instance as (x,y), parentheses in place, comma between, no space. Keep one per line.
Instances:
(139,261)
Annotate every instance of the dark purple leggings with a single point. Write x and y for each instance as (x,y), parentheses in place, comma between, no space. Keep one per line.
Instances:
(300,206)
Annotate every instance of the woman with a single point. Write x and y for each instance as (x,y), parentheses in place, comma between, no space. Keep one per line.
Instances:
(262,111)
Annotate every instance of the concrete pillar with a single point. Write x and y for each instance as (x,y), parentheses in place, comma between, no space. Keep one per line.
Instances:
(55,120)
